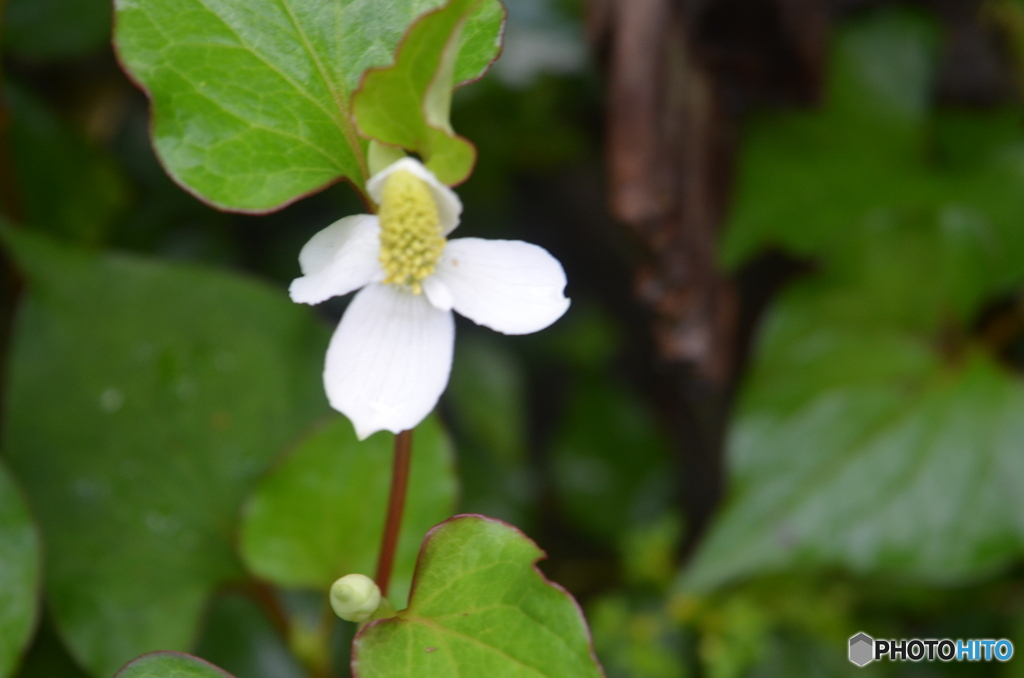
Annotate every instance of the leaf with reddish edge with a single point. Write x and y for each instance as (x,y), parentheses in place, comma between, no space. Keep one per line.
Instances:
(408,103)
(480,607)
(170,665)
(251,99)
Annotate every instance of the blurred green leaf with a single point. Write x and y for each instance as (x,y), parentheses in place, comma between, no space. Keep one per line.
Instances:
(611,461)
(793,654)
(771,624)
(876,268)
(588,339)
(873,423)
(811,179)
(636,642)
(649,551)
(408,104)
(736,639)
(143,401)
(47,657)
(884,67)
(320,515)
(806,175)
(980,175)
(487,399)
(239,638)
(868,448)
(252,100)
(541,131)
(68,187)
(54,29)
(20,569)
(479,607)
(170,665)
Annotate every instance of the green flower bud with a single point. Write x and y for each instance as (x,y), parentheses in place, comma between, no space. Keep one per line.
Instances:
(355,597)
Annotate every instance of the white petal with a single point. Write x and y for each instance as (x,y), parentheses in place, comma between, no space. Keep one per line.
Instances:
(449,207)
(389,359)
(438,293)
(341,258)
(507,285)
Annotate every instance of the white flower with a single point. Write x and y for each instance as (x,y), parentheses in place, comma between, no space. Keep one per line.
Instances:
(389,360)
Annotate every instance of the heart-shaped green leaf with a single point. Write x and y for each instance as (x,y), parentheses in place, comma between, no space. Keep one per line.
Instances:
(143,401)
(170,665)
(320,515)
(863,447)
(19,574)
(408,103)
(252,98)
(479,607)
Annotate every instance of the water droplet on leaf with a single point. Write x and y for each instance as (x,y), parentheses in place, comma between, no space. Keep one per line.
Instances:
(111,400)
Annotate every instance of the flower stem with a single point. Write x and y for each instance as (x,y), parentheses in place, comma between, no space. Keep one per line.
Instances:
(396,504)
(263,595)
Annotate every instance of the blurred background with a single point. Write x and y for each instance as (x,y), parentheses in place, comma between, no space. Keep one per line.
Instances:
(787,402)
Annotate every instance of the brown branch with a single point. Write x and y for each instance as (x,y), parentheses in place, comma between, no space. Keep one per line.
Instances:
(676,71)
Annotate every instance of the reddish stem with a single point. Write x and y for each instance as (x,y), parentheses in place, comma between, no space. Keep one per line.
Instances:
(396,505)
(263,594)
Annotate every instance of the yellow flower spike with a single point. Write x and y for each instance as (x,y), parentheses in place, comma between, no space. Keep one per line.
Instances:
(411,242)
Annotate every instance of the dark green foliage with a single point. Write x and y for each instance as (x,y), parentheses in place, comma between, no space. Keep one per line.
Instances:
(171,478)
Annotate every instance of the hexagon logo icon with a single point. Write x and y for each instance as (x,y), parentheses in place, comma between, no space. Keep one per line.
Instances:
(862,649)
